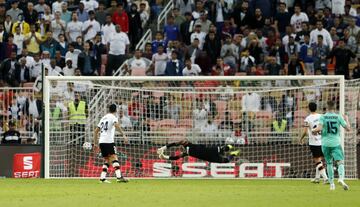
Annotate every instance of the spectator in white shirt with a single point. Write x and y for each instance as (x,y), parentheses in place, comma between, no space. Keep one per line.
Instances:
(90,27)
(210,129)
(251,102)
(137,63)
(321,31)
(144,14)
(54,70)
(36,67)
(40,7)
(191,69)
(90,5)
(38,82)
(72,54)
(56,6)
(45,58)
(226,92)
(18,40)
(74,28)
(48,16)
(107,30)
(200,115)
(69,93)
(125,120)
(56,89)
(199,35)
(58,26)
(297,18)
(69,69)
(159,61)
(118,46)
(289,33)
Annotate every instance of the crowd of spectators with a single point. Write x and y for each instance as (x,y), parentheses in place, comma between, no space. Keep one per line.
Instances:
(255,37)
(200,37)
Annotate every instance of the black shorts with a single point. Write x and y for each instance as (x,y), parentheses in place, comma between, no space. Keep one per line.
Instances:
(316,151)
(107,149)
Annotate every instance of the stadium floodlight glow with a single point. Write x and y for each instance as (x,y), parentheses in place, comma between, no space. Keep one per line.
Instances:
(164,109)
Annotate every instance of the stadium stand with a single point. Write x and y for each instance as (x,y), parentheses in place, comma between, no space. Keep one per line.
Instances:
(226,37)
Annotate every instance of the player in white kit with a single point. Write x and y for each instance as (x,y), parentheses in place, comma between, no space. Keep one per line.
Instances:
(106,128)
(311,122)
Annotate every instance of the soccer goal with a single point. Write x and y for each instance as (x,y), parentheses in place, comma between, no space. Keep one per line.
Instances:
(261,115)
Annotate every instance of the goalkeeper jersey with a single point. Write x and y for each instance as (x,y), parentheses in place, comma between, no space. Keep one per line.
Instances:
(330,134)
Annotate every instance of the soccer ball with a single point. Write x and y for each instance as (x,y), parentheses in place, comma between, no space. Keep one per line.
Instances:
(87,146)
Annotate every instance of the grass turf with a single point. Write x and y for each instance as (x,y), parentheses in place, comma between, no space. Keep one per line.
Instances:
(217,193)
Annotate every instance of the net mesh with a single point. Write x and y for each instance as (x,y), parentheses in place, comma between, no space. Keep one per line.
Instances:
(263,118)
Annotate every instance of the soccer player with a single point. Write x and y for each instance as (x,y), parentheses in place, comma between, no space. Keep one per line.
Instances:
(219,154)
(329,126)
(311,122)
(106,128)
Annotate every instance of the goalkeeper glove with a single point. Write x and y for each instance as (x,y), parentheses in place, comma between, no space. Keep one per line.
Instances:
(161,150)
(164,157)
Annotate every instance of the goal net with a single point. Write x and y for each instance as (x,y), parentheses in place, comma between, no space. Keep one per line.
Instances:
(262,116)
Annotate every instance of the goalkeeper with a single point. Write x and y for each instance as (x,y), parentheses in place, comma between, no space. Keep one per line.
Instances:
(219,154)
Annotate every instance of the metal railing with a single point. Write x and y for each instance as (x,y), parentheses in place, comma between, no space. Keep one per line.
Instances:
(164,13)
(147,37)
(17,96)
(120,69)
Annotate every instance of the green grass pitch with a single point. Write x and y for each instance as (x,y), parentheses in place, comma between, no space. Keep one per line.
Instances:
(172,193)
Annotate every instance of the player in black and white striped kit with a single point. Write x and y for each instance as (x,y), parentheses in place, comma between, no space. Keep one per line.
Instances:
(106,128)
(311,122)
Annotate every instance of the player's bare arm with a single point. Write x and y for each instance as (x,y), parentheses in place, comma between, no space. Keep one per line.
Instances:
(96,136)
(346,118)
(118,127)
(317,129)
(303,135)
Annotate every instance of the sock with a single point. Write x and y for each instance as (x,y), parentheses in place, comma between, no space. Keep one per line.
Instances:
(116,166)
(317,168)
(330,170)
(323,174)
(104,171)
(322,171)
(341,170)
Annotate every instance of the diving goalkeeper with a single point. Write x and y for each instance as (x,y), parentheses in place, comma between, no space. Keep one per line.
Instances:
(218,154)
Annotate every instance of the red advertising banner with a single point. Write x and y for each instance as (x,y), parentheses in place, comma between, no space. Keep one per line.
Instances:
(27,165)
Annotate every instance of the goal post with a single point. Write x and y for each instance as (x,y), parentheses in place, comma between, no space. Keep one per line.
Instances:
(266,134)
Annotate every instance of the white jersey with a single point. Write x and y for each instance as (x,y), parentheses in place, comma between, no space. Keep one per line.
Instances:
(312,122)
(107,128)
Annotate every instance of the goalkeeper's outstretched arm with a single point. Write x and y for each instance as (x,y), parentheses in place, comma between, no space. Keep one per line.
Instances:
(176,157)
(183,142)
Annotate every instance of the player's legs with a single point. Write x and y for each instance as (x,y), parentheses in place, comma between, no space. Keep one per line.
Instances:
(318,164)
(339,160)
(327,151)
(116,165)
(104,170)
(105,150)
(317,154)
